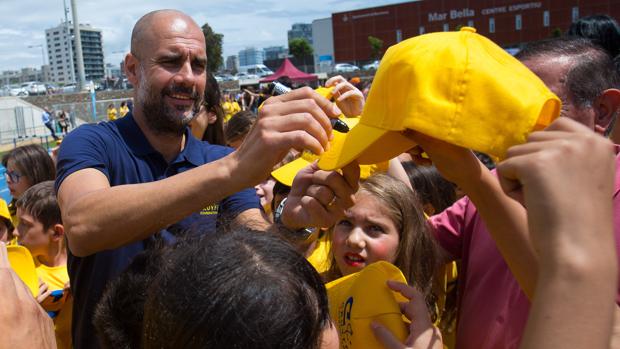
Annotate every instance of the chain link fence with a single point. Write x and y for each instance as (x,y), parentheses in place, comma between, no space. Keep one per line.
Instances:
(22,123)
(84,110)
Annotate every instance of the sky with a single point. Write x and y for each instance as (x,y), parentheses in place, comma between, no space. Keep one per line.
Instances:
(243,23)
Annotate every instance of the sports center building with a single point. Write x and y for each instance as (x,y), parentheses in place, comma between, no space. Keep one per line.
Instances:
(508,23)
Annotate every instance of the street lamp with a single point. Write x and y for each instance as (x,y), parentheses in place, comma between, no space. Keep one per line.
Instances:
(42,53)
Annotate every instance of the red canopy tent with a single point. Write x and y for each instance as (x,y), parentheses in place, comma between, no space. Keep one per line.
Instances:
(287,68)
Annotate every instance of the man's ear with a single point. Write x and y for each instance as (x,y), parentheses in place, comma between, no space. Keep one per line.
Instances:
(58,232)
(131,68)
(606,107)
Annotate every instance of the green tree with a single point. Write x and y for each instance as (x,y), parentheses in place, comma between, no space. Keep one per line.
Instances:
(556,33)
(300,48)
(376,46)
(213,43)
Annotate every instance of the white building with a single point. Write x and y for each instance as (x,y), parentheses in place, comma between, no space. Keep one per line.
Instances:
(301,30)
(251,56)
(323,45)
(112,71)
(232,63)
(61,53)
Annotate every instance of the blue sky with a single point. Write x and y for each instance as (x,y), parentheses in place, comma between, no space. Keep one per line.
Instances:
(243,23)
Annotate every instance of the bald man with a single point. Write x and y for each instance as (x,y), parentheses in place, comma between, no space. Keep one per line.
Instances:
(122,185)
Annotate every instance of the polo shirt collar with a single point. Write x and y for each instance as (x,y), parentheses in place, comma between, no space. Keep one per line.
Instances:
(139,144)
(192,152)
(133,136)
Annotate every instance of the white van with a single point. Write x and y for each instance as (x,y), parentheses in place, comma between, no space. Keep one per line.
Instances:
(259,70)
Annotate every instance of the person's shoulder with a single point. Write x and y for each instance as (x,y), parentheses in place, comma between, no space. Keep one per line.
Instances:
(102,130)
(214,151)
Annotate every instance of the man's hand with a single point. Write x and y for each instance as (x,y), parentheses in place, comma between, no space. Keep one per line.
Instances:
(298,119)
(22,321)
(456,164)
(565,177)
(422,333)
(318,198)
(348,98)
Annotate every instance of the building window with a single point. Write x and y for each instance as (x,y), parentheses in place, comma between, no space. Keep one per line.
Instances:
(421,31)
(399,35)
(491,25)
(446,27)
(575,14)
(518,22)
(546,19)
(470,23)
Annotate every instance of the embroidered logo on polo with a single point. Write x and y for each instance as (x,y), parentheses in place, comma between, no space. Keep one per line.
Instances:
(209,210)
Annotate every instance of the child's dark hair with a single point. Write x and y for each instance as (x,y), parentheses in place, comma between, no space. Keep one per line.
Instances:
(40,202)
(239,125)
(240,289)
(431,187)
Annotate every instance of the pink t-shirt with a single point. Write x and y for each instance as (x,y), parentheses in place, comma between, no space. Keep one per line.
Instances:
(492,308)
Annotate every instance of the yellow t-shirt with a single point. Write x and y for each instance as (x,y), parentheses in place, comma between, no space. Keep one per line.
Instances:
(112,114)
(319,258)
(124,110)
(56,278)
(230,109)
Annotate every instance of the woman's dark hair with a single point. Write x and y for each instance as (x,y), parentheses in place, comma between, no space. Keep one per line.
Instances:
(33,162)
(431,187)
(214,133)
(603,30)
(239,125)
(240,289)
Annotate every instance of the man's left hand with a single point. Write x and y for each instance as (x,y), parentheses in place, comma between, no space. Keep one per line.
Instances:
(318,198)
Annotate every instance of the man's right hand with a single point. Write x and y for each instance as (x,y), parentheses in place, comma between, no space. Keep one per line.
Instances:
(296,120)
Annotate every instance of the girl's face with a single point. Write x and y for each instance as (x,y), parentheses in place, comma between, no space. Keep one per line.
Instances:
(16,181)
(366,235)
(264,191)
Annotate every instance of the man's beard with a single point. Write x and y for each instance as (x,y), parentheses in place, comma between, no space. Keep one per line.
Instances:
(160,117)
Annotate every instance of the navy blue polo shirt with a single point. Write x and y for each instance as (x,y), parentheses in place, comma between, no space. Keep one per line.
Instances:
(120,150)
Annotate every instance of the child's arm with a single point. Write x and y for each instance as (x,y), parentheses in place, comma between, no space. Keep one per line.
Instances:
(566,175)
(422,333)
(505,218)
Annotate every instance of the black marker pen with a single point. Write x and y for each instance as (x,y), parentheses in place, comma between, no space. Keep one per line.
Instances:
(276,89)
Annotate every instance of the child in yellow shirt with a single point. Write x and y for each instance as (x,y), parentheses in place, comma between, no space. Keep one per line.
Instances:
(40,230)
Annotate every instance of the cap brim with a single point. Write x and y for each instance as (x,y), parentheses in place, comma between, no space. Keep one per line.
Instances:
(286,173)
(366,144)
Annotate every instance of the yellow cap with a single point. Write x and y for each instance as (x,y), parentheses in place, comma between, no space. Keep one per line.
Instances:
(360,298)
(459,87)
(286,173)
(22,263)
(4,210)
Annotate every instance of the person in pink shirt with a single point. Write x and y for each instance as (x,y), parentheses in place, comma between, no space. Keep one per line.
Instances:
(498,266)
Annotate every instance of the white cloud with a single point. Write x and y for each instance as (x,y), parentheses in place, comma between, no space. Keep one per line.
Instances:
(243,23)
